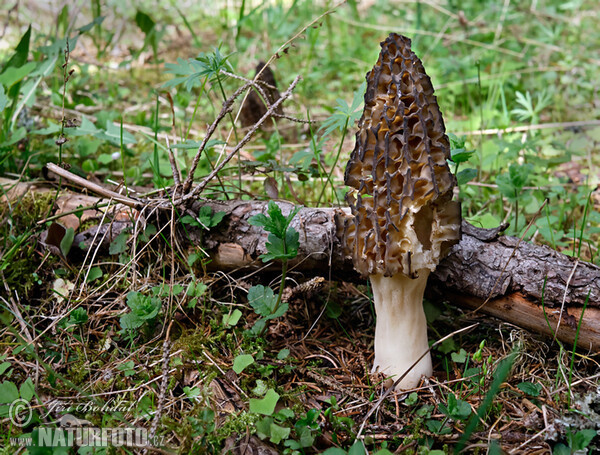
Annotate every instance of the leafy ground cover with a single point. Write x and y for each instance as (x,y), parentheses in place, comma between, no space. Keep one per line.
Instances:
(214,362)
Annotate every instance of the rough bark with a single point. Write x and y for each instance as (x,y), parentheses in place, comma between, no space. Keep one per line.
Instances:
(484,264)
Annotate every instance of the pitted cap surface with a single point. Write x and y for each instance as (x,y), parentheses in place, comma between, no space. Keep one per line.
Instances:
(403,217)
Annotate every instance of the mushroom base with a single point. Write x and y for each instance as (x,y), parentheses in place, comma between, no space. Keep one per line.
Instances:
(401,328)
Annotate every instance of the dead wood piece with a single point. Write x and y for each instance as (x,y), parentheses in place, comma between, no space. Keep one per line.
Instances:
(477,268)
(515,308)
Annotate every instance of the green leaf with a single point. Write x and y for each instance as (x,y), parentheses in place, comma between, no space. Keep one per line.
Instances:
(460,356)
(119,243)
(86,128)
(530,388)
(357,448)
(67,241)
(232,319)
(333,309)
(208,218)
(461,155)
(143,306)
(190,220)
(144,22)
(279,249)
(8,392)
(128,368)
(283,354)
(285,413)
(21,52)
(456,408)
(344,115)
(52,128)
(435,426)
(241,362)
(266,405)
(3,98)
(27,389)
(191,392)
(276,223)
(131,321)
(95,273)
(12,75)
(465,176)
(335,451)
(512,182)
(412,399)
(561,449)
(494,449)
(262,299)
(112,134)
(4,366)
(192,258)
(87,27)
(78,316)
(263,427)
(278,433)
(581,439)
(261,387)
(499,376)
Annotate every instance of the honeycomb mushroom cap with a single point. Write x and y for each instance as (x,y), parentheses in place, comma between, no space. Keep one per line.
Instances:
(403,219)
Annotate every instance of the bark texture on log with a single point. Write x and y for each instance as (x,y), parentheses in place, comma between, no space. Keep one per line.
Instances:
(478,266)
(483,266)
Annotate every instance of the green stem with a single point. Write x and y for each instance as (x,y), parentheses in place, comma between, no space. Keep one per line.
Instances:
(337,157)
(239,24)
(239,159)
(123,161)
(196,108)
(585,212)
(281,287)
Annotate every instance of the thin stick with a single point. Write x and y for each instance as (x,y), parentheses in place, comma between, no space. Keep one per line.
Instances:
(174,168)
(562,305)
(227,107)
(93,186)
(238,147)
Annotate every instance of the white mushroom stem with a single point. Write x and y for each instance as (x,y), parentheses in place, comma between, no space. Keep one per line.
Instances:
(401,329)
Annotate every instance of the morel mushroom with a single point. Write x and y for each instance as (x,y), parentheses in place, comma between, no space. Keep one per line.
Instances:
(403,217)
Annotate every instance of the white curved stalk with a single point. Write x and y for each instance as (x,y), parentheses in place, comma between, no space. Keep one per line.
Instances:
(401,329)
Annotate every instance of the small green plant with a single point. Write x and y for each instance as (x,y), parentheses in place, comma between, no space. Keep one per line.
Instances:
(344,116)
(577,442)
(282,244)
(455,409)
(206,219)
(527,111)
(144,311)
(498,377)
(459,154)
(511,185)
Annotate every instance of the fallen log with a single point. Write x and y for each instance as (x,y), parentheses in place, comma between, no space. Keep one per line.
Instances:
(488,272)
